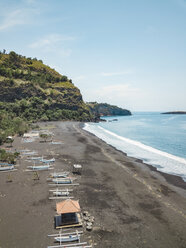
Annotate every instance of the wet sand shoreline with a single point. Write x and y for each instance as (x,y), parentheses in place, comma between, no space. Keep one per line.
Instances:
(133,205)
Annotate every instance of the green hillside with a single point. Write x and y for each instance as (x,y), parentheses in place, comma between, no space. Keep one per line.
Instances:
(32,91)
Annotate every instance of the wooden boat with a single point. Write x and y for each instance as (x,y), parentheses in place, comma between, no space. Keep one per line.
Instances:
(77,245)
(82,246)
(35,158)
(28,140)
(6,164)
(34,161)
(67,238)
(56,142)
(29,153)
(61,193)
(25,150)
(62,181)
(59,174)
(60,190)
(39,167)
(6,168)
(52,160)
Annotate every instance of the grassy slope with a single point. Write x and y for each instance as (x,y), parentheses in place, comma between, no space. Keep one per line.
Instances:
(32,91)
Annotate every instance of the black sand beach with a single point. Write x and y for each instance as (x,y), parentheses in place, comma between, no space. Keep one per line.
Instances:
(133,204)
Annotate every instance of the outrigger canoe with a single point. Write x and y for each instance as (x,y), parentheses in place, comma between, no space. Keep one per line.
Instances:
(59,174)
(61,193)
(39,167)
(62,181)
(6,168)
(52,160)
(67,238)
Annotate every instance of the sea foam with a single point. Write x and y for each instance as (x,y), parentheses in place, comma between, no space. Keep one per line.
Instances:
(163,161)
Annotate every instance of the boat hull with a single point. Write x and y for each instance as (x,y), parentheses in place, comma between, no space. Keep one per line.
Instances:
(62,181)
(69,238)
(6,168)
(39,168)
(58,193)
(63,175)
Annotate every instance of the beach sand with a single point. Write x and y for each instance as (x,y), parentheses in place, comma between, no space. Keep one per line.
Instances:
(133,204)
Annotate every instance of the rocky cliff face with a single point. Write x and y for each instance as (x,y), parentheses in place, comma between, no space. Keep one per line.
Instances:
(18,92)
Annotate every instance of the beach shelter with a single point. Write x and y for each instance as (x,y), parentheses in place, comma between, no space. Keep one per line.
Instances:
(67,212)
(77,168)
(68,206)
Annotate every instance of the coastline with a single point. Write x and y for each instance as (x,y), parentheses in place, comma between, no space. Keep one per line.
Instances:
(132,203)
(175,180)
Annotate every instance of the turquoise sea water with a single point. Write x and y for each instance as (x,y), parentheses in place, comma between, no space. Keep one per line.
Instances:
(159,140)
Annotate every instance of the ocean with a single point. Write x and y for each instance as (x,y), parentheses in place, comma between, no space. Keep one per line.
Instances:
(157,139)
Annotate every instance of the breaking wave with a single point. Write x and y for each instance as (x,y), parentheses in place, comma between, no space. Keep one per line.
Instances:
(163,161)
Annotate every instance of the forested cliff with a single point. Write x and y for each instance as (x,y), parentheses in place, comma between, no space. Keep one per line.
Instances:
(105,109)
(31,91)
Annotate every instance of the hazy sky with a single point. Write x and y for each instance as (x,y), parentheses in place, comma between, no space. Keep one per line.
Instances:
(131,53)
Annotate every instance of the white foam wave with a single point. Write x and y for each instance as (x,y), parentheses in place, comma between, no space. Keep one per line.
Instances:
(163,161)
(147,148)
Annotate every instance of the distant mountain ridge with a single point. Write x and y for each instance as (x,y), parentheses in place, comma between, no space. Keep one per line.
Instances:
(105,109)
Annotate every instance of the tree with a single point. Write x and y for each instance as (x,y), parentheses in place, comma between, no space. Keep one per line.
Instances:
(44,117)
(64,79)
(14,60)
(13,56)
(44,136)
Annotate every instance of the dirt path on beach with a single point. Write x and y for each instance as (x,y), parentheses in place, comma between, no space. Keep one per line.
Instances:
(133,205)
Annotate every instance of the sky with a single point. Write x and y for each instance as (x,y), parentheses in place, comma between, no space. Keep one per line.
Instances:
(128,53)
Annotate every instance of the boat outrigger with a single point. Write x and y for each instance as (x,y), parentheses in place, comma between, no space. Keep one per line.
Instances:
(62,180)
(59,174)
(77,245)
(61,193)
(67,238)
(7,168)
(52,160)
(39,167)
(5,164)
(35,158)
(29,153)
(56,143)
